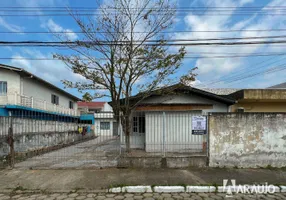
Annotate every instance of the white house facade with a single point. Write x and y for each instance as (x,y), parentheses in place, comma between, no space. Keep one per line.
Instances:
(101,115)
(21,90)
(163,122)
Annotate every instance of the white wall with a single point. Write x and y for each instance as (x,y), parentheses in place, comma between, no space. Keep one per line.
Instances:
(36,89)
(98,131)
(187,98)
(13,85)
(107,108)
(178,132)
(13,80)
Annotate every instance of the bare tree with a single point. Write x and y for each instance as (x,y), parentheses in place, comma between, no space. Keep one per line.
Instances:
(122,51)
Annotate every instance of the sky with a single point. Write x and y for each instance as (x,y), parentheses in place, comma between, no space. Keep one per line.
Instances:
(231,72)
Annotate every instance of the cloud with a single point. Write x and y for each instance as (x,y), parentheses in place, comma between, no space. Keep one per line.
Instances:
(54,27)
(10,27)
(51,70)
(216,68)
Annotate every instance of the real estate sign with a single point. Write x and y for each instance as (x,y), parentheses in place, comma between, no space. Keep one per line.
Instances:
(199,125)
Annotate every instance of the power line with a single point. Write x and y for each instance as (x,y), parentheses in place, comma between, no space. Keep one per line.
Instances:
(237,75)
(268,71)
(200,39)
(105,43)
(13,8)
(159,14)
(187,57)
(176,31)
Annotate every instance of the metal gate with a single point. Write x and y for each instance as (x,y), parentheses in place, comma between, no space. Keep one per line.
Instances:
(169,133)
(40,143)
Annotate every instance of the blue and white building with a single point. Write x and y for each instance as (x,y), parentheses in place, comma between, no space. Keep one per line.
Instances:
(23,94)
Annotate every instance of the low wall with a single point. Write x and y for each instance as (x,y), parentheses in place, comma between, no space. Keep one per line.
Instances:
(247,140)
(33,137)
(161,162)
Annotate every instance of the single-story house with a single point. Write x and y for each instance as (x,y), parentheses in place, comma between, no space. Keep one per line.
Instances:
(100,114)
(259,100)
(163,120)
(278,86)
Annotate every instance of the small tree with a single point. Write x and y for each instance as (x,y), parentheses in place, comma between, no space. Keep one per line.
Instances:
(122,51)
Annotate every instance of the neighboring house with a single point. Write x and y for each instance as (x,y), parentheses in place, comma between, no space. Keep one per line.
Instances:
(259,100)
(278,86)
(101,115)
(164,118)
(93,107)
(27,95)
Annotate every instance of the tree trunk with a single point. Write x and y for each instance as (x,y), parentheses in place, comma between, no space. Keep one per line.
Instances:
(126,126)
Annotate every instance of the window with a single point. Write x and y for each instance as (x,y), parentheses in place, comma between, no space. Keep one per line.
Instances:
(240,110)
(94,110)
(104,125)
(135,124)
(139,124)
(3,88)
(55,99)
(71,104)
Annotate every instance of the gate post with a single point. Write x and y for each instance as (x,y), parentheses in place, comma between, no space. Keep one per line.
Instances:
(164,134)
(208,138)
(10,141)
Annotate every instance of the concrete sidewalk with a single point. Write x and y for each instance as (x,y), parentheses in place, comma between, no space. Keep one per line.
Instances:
(90,180)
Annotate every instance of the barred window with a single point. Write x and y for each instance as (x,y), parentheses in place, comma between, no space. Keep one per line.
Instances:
(104,125)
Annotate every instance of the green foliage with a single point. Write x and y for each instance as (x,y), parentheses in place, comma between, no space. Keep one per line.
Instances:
(119,61)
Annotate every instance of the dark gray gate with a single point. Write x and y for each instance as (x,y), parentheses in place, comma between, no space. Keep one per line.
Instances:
(40,143)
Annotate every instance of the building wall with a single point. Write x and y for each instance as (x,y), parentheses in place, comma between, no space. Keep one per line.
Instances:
(13,83)
(247,139)
(107,108)
(177,134)
(36,89)
(260,106)
(189,99)
(100,132)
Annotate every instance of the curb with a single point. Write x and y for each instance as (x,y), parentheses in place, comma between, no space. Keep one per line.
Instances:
(188,189)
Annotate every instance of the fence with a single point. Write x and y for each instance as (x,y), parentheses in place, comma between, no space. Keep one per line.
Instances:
(164,134)
(36,103)
(23,138)
(42,143)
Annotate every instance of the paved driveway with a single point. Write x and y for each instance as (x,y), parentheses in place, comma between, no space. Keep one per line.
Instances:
(95,153)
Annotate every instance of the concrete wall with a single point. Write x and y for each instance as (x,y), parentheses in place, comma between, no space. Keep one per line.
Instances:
(260,106)
(30,135)
(36,89)
(247,139)
(187,99)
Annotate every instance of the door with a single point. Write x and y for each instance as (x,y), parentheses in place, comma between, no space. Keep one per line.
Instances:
(138,135)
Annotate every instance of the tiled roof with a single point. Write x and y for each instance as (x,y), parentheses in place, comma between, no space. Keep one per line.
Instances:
(91,104)
(221,91)
(278,86)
